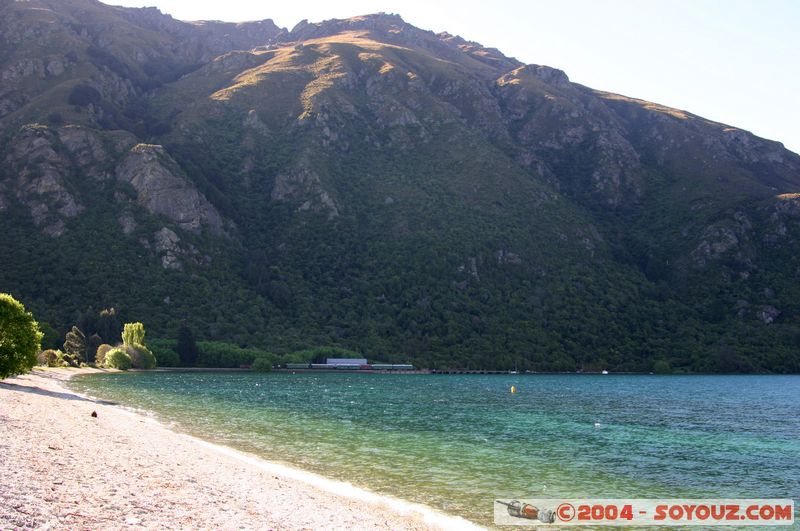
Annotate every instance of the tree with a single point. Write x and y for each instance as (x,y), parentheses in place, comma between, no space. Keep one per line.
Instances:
(75,344)
(108,324)
(92,343)
(187,348)
(51,338)
(133,334)
(20,338)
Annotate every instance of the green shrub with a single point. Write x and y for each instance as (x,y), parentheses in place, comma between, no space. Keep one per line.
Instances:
(100,355)
(225,355)
(262,365)
(164,351)
(20,338)
(319,355)
(65,359)
(662,367)
(141,357)
(49,358)
(118,358)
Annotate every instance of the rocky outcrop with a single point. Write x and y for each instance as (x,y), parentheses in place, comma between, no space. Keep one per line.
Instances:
(166,244)
(569,137)
(302,186)
(163,189)
(767,314)
(784,213)
(174,252)
(39,178)
(727,238)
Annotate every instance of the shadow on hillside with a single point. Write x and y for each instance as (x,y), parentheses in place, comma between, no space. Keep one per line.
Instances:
(53,394)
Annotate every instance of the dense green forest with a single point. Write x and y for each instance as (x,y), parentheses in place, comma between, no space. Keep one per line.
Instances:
(366,185)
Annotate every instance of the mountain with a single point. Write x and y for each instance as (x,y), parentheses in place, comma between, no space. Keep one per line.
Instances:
(367,184)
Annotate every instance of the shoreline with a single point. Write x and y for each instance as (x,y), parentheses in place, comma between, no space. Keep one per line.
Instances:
(62,468)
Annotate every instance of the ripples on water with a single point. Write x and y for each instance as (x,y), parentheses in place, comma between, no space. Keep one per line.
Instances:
(459,442)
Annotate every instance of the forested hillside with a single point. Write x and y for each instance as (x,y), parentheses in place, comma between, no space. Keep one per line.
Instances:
(366,184)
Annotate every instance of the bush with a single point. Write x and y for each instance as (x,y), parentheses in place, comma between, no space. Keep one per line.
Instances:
(84,95)
(319,355)
(20,338)
(55,118)
(141,357)
(65,359)
(164,351)
(100,355)
(118,358)
(49,358)
(262,365)
(662,367)
(224,355)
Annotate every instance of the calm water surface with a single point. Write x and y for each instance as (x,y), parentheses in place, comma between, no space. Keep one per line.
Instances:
(458,442)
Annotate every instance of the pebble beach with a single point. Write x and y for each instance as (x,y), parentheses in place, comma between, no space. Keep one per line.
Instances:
(61,467)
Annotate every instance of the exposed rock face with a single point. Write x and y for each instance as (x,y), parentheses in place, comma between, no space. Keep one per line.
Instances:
(166,243)
(556,124)
(507,257)
(93,153)
(40,179)
(303,186)
(716,241)
(127,223)
(767,314)
(210,37)
(162,189)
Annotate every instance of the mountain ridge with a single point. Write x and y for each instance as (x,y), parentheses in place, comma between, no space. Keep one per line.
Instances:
(369,184)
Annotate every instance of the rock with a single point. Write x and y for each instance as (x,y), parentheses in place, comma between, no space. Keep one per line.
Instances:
(162,189)
(767,314)
(473,268)
(507,257)
(254,122)
(550,75)
(716,241)
(127,223)
(40,181)
(303,185)
(89,150)
(55,67)
(165,242)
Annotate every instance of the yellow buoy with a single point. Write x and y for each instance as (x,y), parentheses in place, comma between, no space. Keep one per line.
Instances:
(513,389)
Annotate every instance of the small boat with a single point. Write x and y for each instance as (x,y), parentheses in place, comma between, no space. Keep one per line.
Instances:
(604,371)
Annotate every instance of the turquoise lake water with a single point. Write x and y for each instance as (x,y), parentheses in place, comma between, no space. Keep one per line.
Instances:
(457,442)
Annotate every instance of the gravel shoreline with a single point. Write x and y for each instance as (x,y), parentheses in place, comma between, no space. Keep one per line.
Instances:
(62,468)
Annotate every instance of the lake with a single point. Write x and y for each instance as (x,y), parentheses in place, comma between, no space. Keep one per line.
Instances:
(457,442)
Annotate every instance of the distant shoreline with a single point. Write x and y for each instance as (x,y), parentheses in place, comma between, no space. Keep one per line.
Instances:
(66,469)
(434,372)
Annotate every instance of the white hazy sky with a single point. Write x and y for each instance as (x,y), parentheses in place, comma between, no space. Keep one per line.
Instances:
(733,61)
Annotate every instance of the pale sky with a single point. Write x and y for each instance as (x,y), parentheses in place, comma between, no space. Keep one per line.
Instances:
(732,61)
